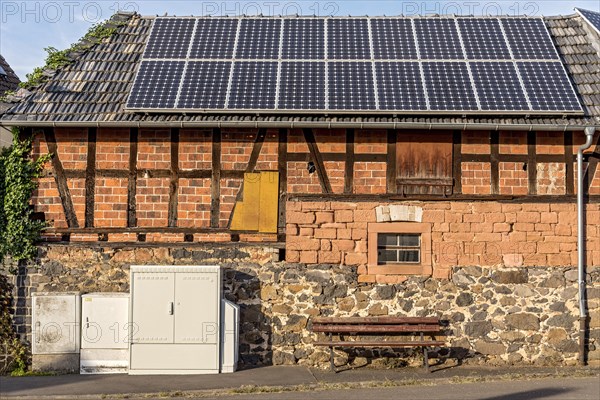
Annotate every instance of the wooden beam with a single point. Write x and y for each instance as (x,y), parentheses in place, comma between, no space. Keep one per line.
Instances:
(532,162)
(61,180)
(90,178)
(457,161)
(523,158)
(318,160)
(132,178)
(215,187)
(569,167)
(174,181)
(358,157)
(250,167)
(392,168)
(282,167)
(494,161)
(349,162)
(592,166)
(427,197)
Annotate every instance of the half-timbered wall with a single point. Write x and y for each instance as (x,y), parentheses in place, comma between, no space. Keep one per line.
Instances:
(144,184)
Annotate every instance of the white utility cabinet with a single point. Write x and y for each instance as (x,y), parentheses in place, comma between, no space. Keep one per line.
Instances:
(104,333)
(175,318)
(56,331)
(230,317)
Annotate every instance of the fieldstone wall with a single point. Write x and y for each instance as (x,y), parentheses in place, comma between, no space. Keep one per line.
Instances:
(495,315)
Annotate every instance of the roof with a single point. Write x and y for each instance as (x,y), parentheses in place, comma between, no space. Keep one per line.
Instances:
(9,81)
(94,88)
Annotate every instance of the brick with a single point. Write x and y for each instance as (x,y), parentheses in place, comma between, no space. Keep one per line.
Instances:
(337,205)
(442,273)
(525,216)
(300,243)
(329,233)
(567,218)
(292,256)
(364,216)
(308,257)
(344,216)
(359,234)
(314,206)
(344,233)
(487,237)
(486,207)
(329,257)
(367,279)
(323,217)
(343,245)
(548,218)
(293,206)
(325,245)
(564,230)
(559,260)
(433,216)
(548,248)
(524,227)
(306,231)
(390,279)
(502,227)
(473,218)
(291,229)
(294,217)
(355,259)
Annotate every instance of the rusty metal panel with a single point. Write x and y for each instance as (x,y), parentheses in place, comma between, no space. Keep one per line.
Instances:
(258,211)
(424,162)
(269,202)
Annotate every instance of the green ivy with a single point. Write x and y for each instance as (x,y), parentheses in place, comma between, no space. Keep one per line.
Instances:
(59,58)
(17,182)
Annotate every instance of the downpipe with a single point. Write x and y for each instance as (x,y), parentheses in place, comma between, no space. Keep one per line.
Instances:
(589,136)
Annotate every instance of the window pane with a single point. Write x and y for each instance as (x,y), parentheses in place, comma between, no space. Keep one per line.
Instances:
(387,239)
(409,239)
(387,256)
(409,256)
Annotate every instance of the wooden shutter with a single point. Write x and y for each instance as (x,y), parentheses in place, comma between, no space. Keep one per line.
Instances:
(258,211)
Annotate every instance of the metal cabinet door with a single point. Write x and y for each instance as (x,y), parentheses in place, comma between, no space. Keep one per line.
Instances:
(56,324)
(104,321)
(152,307)
(197,308)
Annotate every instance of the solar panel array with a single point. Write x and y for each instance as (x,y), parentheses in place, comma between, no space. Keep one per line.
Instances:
(340,65)
(592,17)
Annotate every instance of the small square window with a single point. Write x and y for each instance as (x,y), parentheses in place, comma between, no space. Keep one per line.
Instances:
(399,248)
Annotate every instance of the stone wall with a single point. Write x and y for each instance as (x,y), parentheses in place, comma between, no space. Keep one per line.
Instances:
(495,315)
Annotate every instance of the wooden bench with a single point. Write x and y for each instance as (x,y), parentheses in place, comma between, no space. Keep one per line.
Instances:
(411,332)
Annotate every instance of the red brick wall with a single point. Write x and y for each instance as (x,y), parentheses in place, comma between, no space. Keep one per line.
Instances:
(463,234)
(195,153)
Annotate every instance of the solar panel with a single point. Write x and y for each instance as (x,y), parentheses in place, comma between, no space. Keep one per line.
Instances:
(259,39)
(204,85)
(483,39)
(302,86)
(253,85)
(449,86)
(592,17)
(304,39)
(348,39)
(393,39)
(498,86)
(528,38)
(374,65)
(438,39)
(548,86)
(170,38)
(399,86)
(214,38)
(156,84)
(351,86)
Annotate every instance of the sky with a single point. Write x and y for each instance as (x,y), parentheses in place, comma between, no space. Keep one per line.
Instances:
(27,27)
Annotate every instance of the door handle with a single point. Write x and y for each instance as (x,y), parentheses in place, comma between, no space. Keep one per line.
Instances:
(87,322)
(171,308)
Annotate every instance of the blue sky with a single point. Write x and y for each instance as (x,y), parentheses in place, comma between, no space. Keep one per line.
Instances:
(27,27)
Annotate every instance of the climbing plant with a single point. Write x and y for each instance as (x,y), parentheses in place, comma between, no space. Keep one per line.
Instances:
(18,173)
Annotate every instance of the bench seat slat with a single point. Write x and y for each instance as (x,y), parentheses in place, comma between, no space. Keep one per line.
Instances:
(374,328)
(388,343)
(376,320)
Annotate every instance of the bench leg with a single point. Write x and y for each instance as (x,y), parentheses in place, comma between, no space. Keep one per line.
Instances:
(425,359)
(331,363)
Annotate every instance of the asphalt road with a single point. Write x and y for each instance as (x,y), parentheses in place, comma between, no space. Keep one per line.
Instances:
(538,389)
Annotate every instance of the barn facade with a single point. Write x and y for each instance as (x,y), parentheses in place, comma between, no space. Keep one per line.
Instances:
(466,216)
